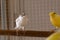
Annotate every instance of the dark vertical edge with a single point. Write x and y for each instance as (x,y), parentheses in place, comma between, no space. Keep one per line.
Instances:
(0,14)
(14,17)
(7,14)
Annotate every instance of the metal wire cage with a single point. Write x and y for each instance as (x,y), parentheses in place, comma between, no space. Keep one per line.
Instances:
(36,10)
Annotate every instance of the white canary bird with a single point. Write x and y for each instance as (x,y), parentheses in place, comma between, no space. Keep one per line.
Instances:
(21,21)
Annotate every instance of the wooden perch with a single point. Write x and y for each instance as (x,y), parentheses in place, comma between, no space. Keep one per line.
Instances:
(26,33)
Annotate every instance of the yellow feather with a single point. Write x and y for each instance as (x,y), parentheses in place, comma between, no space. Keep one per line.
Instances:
(54,36)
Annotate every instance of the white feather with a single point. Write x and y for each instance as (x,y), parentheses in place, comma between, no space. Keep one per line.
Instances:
(21,21)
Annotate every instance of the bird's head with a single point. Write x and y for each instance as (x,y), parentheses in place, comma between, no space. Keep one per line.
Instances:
(52,13)
(23,14)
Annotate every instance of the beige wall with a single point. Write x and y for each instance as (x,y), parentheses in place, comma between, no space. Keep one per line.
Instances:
(13,12)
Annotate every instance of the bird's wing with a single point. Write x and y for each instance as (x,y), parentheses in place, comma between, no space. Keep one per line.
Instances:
(57,18)
(24,21)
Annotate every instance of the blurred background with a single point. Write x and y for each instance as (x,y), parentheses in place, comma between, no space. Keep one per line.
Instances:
(36,10)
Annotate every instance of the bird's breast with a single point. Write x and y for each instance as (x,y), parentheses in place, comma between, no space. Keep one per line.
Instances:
(55,21)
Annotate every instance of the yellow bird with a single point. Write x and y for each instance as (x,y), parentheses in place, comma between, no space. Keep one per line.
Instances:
(54,36)
(55,19)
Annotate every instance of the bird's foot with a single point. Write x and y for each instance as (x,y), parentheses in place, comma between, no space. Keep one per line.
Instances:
(53,30)
(23,28)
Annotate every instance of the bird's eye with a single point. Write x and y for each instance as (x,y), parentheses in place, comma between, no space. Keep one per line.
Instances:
(54,13)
